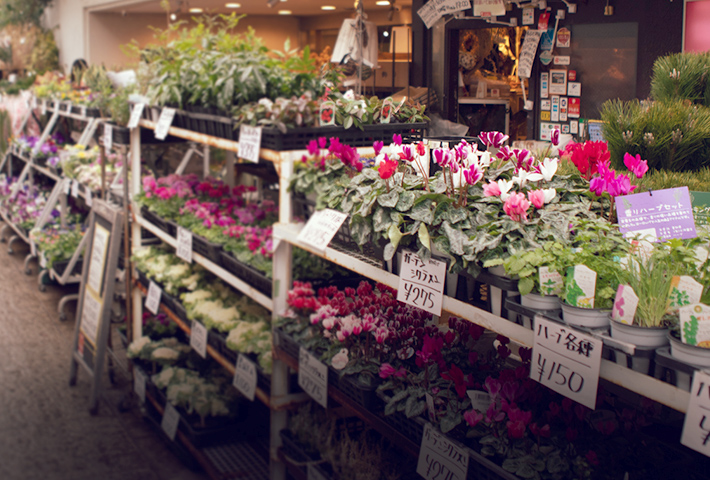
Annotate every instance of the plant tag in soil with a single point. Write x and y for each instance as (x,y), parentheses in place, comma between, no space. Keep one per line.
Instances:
(245,377)
(313,377)
(75,189)
(581,286)
(136,115)
(314,474)
(440,458)
(108,137)
(89,198)
(551,282)
(421,284)
(165,121)
(198,338)
(695,325)
(696,428)
(152,300)
(431,409)
(139,384)
(327,113)
(249,143)
(684,291)
(625,304)
(321,228)
(171,419)
(480,400)
(566,361)
(184,244)
(386,113)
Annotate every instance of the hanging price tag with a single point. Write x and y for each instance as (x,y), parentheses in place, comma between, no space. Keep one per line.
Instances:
(171,419)
(184,244)
(480,400)
(108,137)
(440,458)
(313,377)
(566,361)
(321,228)
(152,300)
(136,115)
(139,384)
(198,338)
(245,377)
(421,284)
(696,428)
(89,198)
(249,143)
(164,123)
(75,189)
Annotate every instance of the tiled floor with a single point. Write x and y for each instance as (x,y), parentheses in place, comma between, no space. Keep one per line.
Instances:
(46,431)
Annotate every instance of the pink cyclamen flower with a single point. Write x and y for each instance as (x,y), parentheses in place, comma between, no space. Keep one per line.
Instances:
(537,198)
(397,139)
(442,156)
(491,190)
(386,370)
(517,207)
(473,174)
(637,166)
(377,146)
(473,417)
(555,136)
(493,139)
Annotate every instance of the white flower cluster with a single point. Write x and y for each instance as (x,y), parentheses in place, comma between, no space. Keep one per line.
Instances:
(164,351)
(195,393)
(253,338)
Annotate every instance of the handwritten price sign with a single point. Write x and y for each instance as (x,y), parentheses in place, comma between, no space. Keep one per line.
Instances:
(136,114)
(313,377)
(184,244)
(421,284)
(566,361)
(152,300)
(198,338)
(170,421)
(249,143)
(441,459)
(245,377)
(165,121)
(696,428)
(321,228)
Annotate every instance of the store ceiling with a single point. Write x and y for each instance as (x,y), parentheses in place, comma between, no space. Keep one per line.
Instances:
(255,7)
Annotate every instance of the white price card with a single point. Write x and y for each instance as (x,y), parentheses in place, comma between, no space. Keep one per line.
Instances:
(171,419)
(313,377)
(314,474)
(139,384)
(321,228)
(480,400)
(67,186)
(89,198)
(696,428)
(108,137)
(152,300)
(184,244)
(82,110)
(165,121)
(421,284)
(198,338)
(249,143)
(43,107)
(136,115)
(75,189)
(440,458)
(566,361)
(245,377)
(42,260)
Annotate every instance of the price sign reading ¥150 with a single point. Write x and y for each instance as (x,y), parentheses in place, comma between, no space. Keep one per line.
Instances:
(421,284)
(165,121)
(245,377)
(440,458)
(696,428)
(313,377)
(249,143)
(566,361)
(321,228)
(184,244)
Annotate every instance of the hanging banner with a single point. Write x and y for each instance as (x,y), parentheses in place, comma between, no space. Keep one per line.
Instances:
(527,54)
(488,8)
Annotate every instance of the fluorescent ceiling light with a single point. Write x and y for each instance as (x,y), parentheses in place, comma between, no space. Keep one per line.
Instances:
(284,12)
(233,5)
(382,3)
(327,7)
(195,10)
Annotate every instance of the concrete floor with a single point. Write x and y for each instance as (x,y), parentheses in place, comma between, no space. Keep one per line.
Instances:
(46,431)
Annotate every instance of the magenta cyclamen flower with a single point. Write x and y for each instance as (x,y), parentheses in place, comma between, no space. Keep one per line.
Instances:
(493,139)
(491,190)
(555,136)
(473,417)
(637,166)
(377,146)
(443,157)
(473,174)
(516,206)
(397,139)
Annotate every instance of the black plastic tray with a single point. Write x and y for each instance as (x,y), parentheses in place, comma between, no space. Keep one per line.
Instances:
(247,273)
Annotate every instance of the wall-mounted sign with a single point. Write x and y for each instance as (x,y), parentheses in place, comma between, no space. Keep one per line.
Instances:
(574,89)
(558,82)
(564,37)
(573,107)
(561,60)
(544,85)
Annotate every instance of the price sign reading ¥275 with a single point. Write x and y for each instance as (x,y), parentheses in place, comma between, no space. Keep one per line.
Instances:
(696,428)
(321,228)
(440,458)
(313,377)
(421,284)
(566,361)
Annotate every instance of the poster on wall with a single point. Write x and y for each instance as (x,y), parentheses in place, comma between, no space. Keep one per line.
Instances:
(558,82)
(573,107)
(563,109)
(528,16)
(488,8)
(574,89)
(528,51)
(564,37)
(555,111)
(544,85)
(546,130)
(545,104)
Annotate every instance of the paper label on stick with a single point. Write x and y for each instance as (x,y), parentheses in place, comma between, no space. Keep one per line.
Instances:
(245,377)
(136,115)
(198,338)
(139,384)
(108,137)
(580,286)
(327,113)
(321,228)
(684,291)
(249,143)
(313,377)
(171,419)
(421,284)
(386,113)
(165,121)
(184,244)
(480,400)
(152,300)
(625,303)
(551,282)
(695,325)
(440,458)
(566,361)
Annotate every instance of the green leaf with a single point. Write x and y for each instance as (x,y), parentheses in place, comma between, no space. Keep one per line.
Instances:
(526,471)
(389,252)
(389,199)
(394,235)
(512,464)
(457,239)
(525,285)
(450,421)
(410,406)
(406,201)
(380,220)
(424,235)
(391,407)
(422,212)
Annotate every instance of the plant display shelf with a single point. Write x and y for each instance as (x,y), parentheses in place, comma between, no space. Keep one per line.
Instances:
(644,385)
(222,461)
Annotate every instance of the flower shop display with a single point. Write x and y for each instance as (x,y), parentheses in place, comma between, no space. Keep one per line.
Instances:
(58,244)
(46,153)
(165,351)
(24,207)
(83,164)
